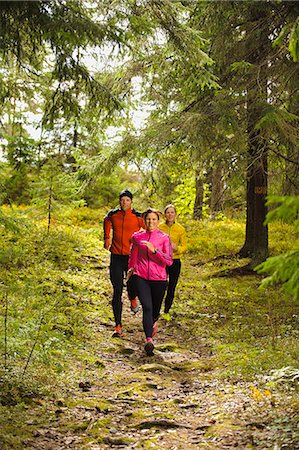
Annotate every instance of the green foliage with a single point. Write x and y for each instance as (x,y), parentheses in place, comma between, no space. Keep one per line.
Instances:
(283,268)
(11,222)
(207,240)
(45,296)
(255,331)
(294,41)
(56,191)
(285,208)
(184,195)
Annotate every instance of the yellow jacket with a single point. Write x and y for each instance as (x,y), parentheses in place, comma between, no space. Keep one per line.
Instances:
(177,235)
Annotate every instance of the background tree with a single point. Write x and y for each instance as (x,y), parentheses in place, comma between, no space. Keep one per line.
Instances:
(239,123)
(56,191)
(221,99)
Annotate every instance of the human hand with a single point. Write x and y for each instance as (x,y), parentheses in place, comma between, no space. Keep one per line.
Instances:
(107,244)
(174,247)
(149,245)
(129,273)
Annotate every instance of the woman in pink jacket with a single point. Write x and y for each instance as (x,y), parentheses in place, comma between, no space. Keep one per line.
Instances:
(151,252)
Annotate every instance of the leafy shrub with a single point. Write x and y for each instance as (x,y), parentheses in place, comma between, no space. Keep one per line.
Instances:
(283,268)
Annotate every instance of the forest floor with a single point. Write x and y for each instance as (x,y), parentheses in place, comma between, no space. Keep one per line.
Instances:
(176,399)
(205,387)
(173,400)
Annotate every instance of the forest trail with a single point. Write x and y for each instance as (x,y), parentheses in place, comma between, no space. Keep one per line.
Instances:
(176,399)
(170,400)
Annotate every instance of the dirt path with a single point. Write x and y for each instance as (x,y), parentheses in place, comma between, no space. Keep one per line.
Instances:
(173,400)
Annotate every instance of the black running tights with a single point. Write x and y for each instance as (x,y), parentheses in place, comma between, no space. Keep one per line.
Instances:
(173,273)
(118,270)
(150,294)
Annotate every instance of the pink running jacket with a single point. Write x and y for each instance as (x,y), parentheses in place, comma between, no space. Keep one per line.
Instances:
(146,264)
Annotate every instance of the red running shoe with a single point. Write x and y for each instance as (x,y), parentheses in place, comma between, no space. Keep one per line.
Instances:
(118,332)
(134,306)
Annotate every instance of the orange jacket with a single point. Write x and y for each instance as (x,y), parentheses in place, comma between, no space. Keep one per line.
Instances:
(123,225)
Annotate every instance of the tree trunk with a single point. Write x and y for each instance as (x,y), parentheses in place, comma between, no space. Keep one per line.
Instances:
(198,203)
(247,249)
(217,192)
(256,241)
(260,231)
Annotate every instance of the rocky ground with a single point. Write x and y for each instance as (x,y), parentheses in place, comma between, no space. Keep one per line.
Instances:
(176,399)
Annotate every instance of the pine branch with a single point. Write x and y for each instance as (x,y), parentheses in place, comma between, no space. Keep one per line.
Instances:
(277,153)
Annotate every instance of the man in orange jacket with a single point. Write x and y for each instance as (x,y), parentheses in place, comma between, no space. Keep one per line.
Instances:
(123,222)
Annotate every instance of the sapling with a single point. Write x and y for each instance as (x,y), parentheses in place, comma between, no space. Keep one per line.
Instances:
(33,345)
(5,329)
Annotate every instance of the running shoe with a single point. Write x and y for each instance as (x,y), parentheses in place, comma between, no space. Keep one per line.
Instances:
(149,348)
(118,332)
(134,306)
(154,329)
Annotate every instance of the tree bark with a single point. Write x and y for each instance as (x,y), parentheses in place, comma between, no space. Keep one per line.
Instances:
(217,192)
(198,203)
(256,240)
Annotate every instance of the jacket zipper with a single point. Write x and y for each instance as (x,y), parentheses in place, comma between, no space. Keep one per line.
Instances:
(148,264)
(122,233)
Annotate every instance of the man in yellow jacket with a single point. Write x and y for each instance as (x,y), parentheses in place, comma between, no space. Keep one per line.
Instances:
(178,239)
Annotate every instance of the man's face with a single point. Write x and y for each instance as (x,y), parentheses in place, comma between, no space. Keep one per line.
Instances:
(125,203)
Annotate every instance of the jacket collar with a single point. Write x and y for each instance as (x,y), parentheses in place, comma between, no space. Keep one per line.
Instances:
(153,232)
(128,211)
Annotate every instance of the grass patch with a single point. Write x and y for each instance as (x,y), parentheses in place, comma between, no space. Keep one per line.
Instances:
(252,330)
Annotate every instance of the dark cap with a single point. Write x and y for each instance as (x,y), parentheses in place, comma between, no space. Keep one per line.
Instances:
(126,193)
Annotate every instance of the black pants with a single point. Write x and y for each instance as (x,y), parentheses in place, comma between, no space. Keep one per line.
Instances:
(173,273)
(150,294)
(118,271)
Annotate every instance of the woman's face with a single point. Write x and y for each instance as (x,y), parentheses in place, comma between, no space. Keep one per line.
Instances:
(151,221)
(170,214)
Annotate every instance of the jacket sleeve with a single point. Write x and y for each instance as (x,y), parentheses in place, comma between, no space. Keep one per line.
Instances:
(107,231)
(166,254)
(182,247)
(133,254)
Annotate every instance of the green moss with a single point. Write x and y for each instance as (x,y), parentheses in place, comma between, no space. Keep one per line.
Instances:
(87,402)
(220,428)
(116,441)
(154,367)
(77,426)
(99,427)
(189,366)
(127,351)
(168,347)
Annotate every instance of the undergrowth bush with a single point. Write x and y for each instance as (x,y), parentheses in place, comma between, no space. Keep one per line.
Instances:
(254,330)
(46,297)
(209,239)
(284,268)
